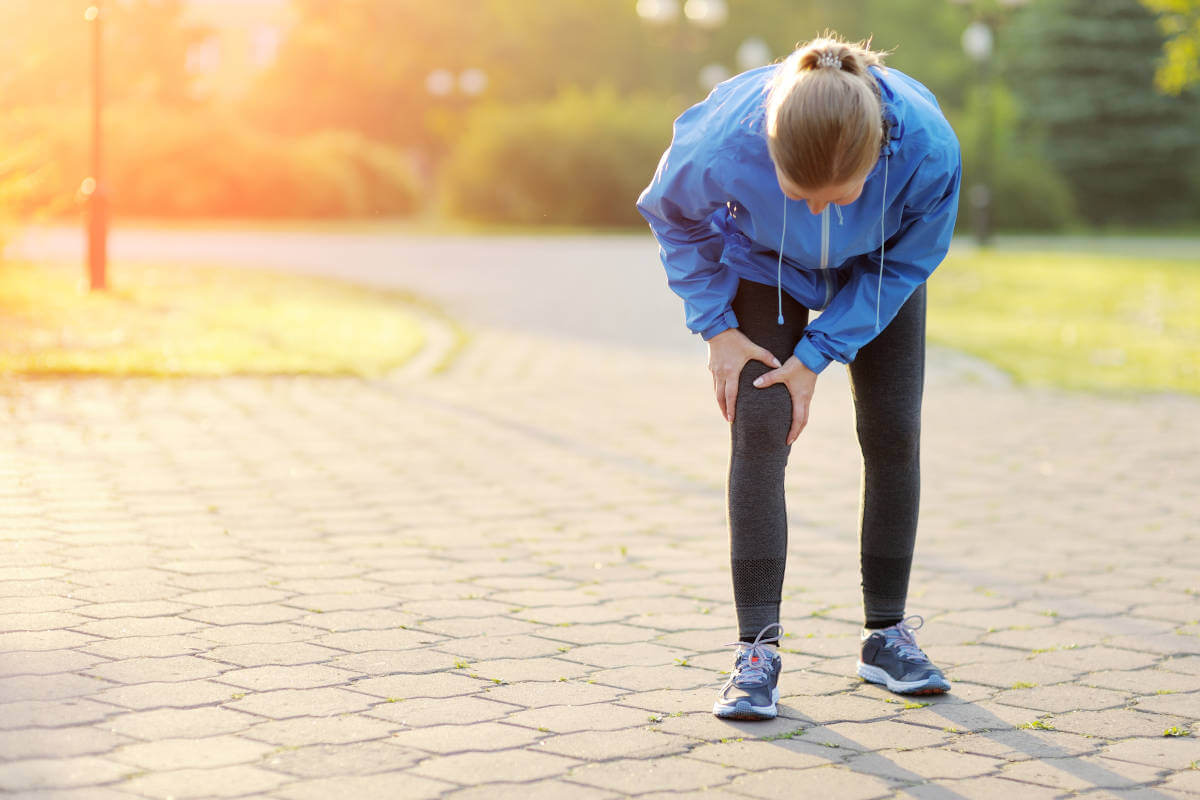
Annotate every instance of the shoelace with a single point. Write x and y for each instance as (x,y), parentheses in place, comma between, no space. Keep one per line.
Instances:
(753,662)
(901,634)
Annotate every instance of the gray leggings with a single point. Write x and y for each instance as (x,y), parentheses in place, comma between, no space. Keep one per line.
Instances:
(886,379)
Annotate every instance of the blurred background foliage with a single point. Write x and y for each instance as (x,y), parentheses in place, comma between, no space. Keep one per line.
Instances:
(556,111)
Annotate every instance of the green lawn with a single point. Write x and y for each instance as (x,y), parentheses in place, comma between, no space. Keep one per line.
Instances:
(198,321)
(1072,320)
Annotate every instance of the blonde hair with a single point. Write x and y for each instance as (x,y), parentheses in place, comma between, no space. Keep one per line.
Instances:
(825,122)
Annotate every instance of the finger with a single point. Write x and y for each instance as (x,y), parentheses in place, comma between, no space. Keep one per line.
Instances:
(719,390)
(731,389)
(799,420)
(767,378)
(767,357)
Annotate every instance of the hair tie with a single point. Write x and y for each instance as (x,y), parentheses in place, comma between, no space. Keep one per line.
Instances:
(828,59)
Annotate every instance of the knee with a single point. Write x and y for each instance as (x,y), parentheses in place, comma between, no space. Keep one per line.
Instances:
(762,416)
(895,441)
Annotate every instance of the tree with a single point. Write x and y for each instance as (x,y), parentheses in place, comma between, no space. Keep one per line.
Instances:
(1179,20)
(45,52)
(1085,73)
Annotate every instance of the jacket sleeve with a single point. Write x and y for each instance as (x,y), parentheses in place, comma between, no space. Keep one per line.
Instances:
(677,204)
(910,256)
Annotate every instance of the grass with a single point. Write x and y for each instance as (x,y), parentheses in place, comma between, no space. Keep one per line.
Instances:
(1074,321)
(169,321)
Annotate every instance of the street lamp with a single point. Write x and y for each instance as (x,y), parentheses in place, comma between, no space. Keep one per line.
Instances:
(978,42)
(93,186)
(707,15)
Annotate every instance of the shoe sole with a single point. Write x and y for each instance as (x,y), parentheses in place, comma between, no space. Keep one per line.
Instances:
(877,675)
(742,709)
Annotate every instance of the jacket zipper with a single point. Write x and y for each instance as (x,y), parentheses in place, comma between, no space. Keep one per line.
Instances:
(825,255)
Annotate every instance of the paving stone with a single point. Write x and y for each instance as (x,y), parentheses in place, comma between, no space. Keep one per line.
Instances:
(385,786)
(1088,659)
(1187,781)
(1185,704)
(357,758)
(55,773)
(252,615)
(573,718)
(828,781)
(604,745)
(1062,697)
(880,735)
(508,765)
(1169,752)
(181,694)
(259,634)
(50,662)
(539,790)
(42,640)
(1007,673)
(389,662)
(513,670)
(926,763)
(290,677)
(147,647)
(532,694)
(279,654)
(1022,744)
(52,713)
(456,738)
(982,788)
(140,670)
(979,716)
(176,723)
(50,687)
(360,641)
(1154,680)
(753,756)
(1187,665)
(139,626)
(437,684)
(190,752)
(1079,773)
(1116,723)
(49,743)
(301,731)
(651,678)
(633,775)
(285,703)
(234,781)
(421,711)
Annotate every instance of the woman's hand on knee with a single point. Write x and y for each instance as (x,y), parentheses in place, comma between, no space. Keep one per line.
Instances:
(728,353)
(801,382)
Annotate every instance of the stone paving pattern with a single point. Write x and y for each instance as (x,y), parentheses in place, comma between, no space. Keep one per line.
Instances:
(511,579)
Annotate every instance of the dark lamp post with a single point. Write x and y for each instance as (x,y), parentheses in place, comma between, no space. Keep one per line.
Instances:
(93,186)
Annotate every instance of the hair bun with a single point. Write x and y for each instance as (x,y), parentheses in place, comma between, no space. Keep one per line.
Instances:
(828,59)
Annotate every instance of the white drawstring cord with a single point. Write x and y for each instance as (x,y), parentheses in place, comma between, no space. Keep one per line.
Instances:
(779,269)
(882,236)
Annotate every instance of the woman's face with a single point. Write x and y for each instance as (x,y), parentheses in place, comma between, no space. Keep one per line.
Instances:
(843,194)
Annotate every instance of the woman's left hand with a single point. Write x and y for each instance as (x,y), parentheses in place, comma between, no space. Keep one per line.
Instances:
(801,382)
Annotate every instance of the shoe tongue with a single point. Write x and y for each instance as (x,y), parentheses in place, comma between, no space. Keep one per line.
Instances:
(753,659)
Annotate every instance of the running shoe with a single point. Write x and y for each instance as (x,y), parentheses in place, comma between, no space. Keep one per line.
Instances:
(890,656)
(753,686)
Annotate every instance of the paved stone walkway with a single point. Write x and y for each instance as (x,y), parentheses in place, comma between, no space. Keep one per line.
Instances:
(511,580)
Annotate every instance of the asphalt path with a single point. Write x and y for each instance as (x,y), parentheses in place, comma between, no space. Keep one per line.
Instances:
(609,289)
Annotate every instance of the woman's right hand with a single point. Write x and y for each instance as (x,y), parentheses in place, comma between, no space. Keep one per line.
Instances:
(728,353)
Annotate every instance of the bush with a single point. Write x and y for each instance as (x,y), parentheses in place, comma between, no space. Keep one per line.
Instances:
(582,158)
(173,163)
(1028,194)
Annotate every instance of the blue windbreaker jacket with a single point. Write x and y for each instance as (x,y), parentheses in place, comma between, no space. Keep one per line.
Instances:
(718,213)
